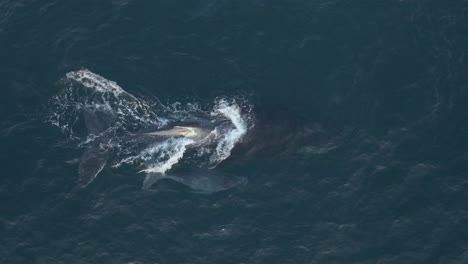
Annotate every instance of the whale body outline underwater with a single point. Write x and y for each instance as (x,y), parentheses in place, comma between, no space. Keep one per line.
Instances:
(103,107)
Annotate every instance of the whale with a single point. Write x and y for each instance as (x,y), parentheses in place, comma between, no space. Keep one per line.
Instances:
(277,132)
(235,132)
(200,130)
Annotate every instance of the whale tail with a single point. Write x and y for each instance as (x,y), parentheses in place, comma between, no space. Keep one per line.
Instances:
(94,158)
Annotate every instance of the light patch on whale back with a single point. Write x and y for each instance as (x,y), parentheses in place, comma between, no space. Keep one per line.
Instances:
(188,132)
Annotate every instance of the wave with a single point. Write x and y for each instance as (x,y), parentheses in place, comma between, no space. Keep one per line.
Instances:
(84,89)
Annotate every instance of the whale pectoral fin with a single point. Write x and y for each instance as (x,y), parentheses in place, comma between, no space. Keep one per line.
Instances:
(151,179)
(93,159)
(92,162)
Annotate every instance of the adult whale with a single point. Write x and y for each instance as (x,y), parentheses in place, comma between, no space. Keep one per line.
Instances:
(276,132)
(118,133)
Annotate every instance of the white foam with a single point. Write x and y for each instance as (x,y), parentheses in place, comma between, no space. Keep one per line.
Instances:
(170,152)
(96,82)
(86,89)
(227,141)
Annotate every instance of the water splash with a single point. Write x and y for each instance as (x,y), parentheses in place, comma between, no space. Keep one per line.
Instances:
(84,89)
(228,139)
(171,152)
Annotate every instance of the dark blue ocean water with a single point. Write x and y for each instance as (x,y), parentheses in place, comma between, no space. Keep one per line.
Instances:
(386,80)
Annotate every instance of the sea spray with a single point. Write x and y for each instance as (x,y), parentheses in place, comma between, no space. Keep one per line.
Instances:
(228,139)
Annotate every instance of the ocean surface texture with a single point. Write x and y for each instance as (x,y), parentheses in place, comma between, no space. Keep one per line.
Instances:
(342,136)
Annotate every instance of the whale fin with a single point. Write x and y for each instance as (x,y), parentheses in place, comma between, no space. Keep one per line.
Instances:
(199,180)
(94,158)
(92,162)
(151,179)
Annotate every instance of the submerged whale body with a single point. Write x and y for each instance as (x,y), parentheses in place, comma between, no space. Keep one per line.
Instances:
(123,129)
(270,136)
(199,180)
